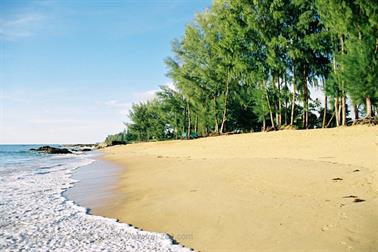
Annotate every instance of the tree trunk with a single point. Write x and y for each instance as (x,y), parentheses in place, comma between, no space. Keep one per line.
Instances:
(356,113)
(275,95)
(305,99)
(368,108)
(270,108)
(293,101)
(343,98)
(343,109)
(330,120)
(325,111)
(188,132)
(216,127)
(225,104)
(270,113)
(264,125)
(337,115)
(176,126)
(285,101)
(286,109)
(196,125)
(339,110)
(279,119)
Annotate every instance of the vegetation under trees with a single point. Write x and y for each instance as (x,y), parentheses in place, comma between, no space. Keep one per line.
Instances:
(246,66)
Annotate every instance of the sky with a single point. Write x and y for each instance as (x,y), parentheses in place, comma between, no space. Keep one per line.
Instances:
(70,70)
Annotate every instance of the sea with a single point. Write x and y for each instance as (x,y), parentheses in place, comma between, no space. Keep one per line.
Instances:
(35,214)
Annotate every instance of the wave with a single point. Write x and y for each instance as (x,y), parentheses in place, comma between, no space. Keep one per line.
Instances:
(36,216)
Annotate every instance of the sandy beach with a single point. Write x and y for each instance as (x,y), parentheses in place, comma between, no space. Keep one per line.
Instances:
(308,190)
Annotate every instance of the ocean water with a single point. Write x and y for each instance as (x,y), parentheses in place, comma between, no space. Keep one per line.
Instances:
(35,216)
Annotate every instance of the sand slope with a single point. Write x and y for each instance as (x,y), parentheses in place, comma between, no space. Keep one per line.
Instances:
(255,192)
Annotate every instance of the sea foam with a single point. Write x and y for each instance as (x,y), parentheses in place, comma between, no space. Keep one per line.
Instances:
(34,216)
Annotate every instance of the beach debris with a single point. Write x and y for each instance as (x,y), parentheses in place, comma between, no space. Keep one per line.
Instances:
(52,150)
(357,170)
(337,179)
(357,200)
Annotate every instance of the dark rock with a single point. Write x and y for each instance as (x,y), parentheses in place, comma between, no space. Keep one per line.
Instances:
(81,149)
(52,150)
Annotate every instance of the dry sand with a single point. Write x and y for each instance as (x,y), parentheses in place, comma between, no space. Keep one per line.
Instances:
(277,191)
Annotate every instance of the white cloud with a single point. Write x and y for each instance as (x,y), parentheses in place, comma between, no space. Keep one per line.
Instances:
(44,121)
(20,26)
(145,96)
(123,107)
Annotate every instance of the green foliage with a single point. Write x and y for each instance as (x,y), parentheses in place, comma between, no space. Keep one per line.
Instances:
(354,27)
(246,65)
(149,121)
(120,138)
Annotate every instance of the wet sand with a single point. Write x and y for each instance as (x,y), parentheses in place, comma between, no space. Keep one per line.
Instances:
(310,190)
(96,187)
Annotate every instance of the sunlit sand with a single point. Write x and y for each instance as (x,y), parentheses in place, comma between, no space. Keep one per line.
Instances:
(280,191)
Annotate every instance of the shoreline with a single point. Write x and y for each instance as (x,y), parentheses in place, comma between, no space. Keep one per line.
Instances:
(91,207)
(95,185)
(38,215)
(87,180)
(211,193)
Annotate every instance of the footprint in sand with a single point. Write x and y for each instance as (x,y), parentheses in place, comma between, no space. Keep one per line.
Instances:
(350,196)
(357,200)
(327,227)
(337,179)
(343,215)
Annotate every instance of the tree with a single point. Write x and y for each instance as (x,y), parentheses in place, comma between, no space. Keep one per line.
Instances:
(355,24)
(248,65)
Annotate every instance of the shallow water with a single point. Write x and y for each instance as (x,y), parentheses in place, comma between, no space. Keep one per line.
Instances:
(35,216)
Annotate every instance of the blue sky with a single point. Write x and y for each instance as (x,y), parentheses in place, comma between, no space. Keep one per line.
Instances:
(70,70)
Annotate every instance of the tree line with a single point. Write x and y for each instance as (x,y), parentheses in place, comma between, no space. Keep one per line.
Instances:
(249,65)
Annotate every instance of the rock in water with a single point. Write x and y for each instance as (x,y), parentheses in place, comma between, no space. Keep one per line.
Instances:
(52,150)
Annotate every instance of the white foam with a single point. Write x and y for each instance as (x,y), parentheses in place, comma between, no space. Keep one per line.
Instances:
(34,216)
